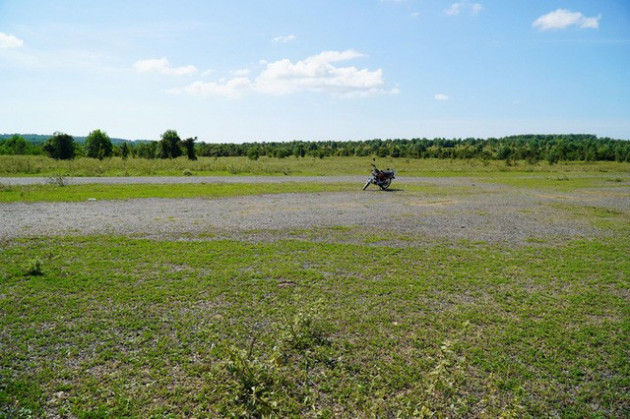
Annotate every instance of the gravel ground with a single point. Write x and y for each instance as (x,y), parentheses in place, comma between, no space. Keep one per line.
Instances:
(490,212)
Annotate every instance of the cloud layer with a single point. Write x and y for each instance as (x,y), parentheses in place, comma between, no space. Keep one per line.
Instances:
(318,73)
(9,41)
(563,18)
(162,66)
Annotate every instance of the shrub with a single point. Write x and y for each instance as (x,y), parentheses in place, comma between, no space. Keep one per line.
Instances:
(98,145)
(189,145)
(34,268)
(60,146)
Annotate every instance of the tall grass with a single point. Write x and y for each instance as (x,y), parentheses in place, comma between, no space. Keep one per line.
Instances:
(227,166)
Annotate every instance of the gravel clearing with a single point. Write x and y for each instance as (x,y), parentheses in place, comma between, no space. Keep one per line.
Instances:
(486,212)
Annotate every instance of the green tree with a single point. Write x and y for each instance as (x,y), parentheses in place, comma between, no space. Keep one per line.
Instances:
(98,145)
(504,153)
(253,153)
(60,146)
(124,151)
(15,145)
(169,146)
(147,150)
(189,145)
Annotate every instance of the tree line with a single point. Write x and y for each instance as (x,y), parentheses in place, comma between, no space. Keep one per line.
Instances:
(99,145)
(531,148)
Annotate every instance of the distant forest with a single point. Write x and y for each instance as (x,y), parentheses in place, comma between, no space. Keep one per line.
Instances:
(531,148)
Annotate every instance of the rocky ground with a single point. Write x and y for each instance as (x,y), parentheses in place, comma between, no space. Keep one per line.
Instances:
(463,208)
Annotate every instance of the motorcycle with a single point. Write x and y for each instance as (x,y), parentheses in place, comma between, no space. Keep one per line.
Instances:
(381,178)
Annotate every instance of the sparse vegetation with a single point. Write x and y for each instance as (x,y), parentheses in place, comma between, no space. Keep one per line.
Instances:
(57,180)
(321,322)
(213,328)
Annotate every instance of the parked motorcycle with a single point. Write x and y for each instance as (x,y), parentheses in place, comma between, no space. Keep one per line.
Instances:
(381,178)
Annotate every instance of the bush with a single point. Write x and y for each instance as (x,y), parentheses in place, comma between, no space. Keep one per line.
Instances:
(60,146)
(34,268)
(98,145)
(169,145)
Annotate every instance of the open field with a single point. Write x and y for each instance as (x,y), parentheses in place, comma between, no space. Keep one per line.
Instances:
(469,293)
(266,166)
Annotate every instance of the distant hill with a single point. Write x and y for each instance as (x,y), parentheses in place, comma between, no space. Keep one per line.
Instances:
(33,138)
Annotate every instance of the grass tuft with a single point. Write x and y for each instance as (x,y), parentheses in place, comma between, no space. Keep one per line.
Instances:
(34,267)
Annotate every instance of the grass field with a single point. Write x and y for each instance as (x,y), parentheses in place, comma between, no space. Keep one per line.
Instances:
(82,192)
(103,326)
(70,193)
(226,166)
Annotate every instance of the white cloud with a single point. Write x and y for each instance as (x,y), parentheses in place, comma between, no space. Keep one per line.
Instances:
(457,8)
(563,18)
(162,66)
(441,97)
(232,89)
(284,39)
(317,73)
(9,41)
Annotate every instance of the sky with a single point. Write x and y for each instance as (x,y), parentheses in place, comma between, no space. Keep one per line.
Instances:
(315,70)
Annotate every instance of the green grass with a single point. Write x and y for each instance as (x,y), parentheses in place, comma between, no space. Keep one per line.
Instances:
(33,193)
(228,166)
(83,192)
(341,321)
(563,182)
(116,327)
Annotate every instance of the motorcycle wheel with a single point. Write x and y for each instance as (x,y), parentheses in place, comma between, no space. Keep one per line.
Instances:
(367,183)
(385,184)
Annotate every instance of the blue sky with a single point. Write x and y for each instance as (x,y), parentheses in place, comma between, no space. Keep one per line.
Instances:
(278,70)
